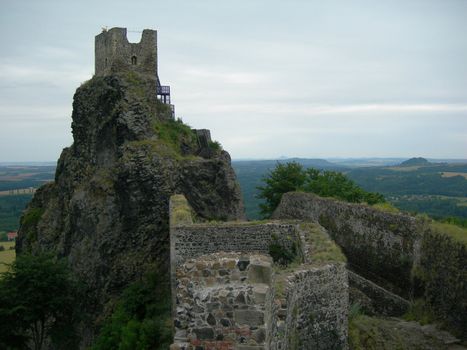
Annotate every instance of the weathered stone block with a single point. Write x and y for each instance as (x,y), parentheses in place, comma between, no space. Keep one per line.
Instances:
(206,333)
(211,320)
(259,293)
(249,317)
(259,335)
(260,272)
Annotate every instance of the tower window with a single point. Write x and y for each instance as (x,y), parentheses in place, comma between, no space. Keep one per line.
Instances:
(134,60)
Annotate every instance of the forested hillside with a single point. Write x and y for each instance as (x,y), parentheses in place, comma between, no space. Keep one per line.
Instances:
(437,189)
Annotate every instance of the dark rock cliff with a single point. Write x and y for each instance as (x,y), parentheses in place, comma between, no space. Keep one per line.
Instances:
(107,211)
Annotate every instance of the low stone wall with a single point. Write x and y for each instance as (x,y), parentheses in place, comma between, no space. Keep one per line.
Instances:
(380,246)
(221,302)
(188,241)
(316,300)
(373,299)
(441,277)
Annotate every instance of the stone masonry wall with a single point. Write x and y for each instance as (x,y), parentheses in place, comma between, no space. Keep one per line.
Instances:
(221,301)
(312,299)
(317,304)
(190,241)
(410,257)
(380,246)
(114,53)
(441,279)
(373,299)
(227,295)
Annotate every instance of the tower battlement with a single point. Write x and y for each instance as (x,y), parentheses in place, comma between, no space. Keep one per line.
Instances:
(114,53)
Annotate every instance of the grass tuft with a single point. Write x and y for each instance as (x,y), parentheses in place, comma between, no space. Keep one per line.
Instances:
(456,232)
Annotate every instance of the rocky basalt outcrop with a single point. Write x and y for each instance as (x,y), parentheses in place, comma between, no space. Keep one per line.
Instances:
(108,210)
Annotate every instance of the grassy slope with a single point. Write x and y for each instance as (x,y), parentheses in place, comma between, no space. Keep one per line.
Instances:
(372,333)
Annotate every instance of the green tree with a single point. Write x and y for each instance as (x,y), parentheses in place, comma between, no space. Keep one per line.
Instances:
(142,317)
(337,185)
(293,177)
(38,302)
(284,178)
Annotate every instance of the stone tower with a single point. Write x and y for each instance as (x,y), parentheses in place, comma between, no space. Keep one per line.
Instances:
(114,53)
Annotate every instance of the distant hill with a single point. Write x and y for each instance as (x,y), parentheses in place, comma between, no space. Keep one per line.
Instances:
(419,161)
(271,163)
(436,187)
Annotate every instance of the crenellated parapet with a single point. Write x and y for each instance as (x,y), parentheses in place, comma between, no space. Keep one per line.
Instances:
(114,53)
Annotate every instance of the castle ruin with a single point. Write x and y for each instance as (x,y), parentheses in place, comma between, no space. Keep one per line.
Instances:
(114,54)
(229,294)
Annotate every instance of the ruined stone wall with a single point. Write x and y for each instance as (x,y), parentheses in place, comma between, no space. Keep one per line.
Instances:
(312,299)
(380,246)
(221,301)
(228,295)
(408,256)
(189,241)
(316,303)
(114,53)
(373,299)
(440,277)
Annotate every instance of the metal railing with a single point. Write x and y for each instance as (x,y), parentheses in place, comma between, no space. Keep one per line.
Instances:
(163,90)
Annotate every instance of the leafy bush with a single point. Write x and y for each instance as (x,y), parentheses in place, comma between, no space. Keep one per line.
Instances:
(293,177)
(281,255)
(142,318)
(39,300)
(284,178)
(215,146)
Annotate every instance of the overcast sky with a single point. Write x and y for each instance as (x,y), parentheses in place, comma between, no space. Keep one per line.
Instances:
(269,78)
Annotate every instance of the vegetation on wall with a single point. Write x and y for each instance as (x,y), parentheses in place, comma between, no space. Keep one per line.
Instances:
(281,254)
(176,134)
(294,177)
(141,319)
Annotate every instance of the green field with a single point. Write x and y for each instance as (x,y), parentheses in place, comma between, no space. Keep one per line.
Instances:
(6,256)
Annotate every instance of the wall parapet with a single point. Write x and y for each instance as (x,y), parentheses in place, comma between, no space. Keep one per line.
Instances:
(380,246)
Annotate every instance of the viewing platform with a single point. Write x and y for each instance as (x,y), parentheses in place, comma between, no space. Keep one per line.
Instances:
(163,95)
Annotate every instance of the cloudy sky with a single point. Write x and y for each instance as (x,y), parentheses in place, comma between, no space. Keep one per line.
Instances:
(305,78)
